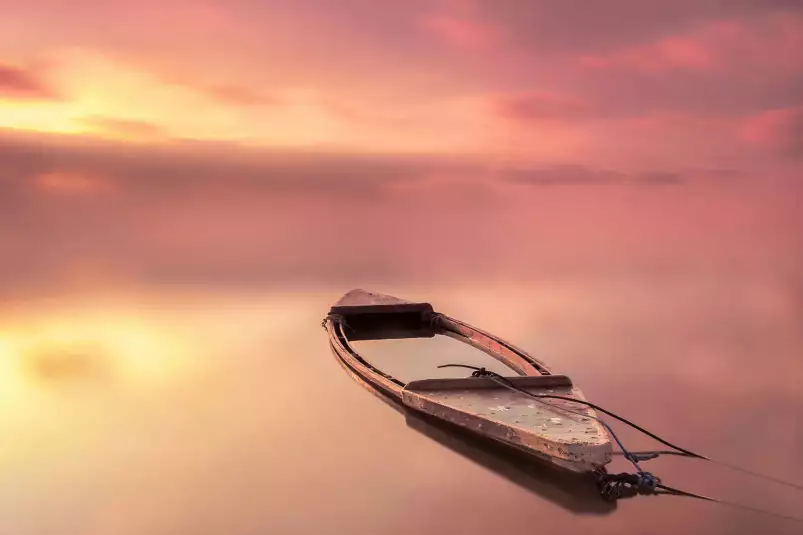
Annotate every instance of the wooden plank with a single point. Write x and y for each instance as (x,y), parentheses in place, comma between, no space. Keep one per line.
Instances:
(473,383)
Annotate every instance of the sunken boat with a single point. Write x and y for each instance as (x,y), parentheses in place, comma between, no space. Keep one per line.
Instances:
(530,409)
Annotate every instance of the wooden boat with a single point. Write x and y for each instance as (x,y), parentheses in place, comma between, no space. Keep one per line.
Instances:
(544,428)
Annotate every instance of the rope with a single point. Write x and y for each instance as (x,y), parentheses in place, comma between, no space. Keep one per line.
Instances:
(646,479)
(616,486)
(492,375)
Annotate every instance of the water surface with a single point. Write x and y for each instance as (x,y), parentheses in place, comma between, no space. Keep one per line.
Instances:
(196,412)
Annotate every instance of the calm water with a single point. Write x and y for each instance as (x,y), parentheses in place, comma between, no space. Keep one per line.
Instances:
(165,373)
(151,413)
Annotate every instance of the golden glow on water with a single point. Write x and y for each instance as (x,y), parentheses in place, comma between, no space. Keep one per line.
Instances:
(11,380)
(95,348)
(132,345)
(81,383)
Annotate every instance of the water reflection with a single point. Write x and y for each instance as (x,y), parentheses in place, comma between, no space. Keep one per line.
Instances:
(59,348)
(574,493)
(198,413)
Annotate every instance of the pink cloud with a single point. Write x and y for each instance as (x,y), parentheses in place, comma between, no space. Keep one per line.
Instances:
(242,96)
(70,183)
(230,215)
(538,106)
(690,138)
(235,93)
(779,131)
(21,83)
(464,32)
(771,42)
(669,54)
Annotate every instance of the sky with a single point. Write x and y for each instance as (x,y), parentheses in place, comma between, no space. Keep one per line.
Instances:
(631,82)
(247,140)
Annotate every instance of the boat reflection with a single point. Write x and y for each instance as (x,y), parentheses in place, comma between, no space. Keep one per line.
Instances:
(574,492)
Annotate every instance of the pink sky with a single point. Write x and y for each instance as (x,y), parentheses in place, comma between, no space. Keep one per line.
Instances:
(653,82)
(220,140)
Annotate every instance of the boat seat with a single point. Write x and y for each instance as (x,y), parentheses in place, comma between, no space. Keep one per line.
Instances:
(470,383)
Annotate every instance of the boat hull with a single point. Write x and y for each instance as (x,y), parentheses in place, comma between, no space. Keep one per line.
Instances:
(561,432)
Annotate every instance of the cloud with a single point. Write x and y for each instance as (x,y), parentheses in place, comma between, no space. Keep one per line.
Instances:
(69,183)
(674,53)
(179,169)
(575,174)
(778,131)
(242,96)
(555,27)
(567,75)
(77,213)
(658,178)
(463,33)
(234,93)
(81,210)
(24,84)
(129,129)
(562,175)
(724,67)
(538,106)
(630,57)
(770,43)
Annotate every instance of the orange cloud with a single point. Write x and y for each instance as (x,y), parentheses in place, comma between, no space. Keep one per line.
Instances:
(20,83)
(232,93)
(242,96)
(129,129)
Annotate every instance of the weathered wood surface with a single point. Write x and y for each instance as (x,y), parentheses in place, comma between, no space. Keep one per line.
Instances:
(484,383)
(576,442)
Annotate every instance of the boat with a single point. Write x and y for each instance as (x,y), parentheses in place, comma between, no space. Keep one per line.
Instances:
(506,409)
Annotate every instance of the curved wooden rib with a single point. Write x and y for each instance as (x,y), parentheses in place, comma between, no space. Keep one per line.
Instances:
(504,352)
(358,365)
